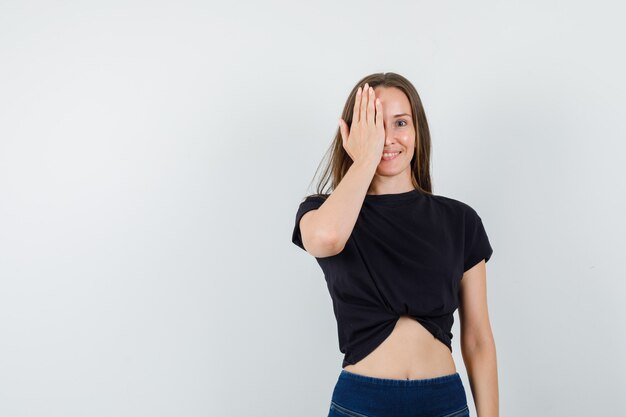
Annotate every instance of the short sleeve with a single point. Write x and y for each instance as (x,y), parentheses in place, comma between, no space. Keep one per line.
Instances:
(310,203)
(477,246)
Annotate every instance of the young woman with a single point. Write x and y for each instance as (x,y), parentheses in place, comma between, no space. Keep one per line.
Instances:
(398,261)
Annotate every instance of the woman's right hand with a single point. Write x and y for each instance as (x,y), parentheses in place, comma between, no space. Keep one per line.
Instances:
(365,140)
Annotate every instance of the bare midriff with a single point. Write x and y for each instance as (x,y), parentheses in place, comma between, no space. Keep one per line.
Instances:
(409,352)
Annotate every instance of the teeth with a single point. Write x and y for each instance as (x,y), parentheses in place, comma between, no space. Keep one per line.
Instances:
(387,155)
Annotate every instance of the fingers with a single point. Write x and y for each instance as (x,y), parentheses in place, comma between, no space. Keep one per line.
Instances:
(370,106)
(343,128)
(364,96)
(357,106)
(379,113)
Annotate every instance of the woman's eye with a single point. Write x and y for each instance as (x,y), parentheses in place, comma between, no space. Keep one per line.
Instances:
(402,121)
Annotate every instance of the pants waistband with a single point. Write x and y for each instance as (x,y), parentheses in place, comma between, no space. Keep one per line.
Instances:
(347,375)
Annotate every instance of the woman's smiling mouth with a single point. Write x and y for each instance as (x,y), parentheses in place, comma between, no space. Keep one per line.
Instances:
(391,155)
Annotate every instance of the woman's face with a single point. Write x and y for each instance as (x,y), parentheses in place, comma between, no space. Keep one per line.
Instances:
(399,131)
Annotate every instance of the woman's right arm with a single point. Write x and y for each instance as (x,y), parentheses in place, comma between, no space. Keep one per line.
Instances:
(326,230)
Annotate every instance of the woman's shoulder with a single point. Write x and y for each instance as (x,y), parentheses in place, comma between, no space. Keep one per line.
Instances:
(452,203)
(315,197)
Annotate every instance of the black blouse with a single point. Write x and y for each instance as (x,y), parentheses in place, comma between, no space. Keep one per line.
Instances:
(406,256)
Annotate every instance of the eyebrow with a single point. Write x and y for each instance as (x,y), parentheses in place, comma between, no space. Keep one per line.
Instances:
(402,114)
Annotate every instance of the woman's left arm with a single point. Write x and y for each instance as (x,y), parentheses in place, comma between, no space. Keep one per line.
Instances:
(477,343)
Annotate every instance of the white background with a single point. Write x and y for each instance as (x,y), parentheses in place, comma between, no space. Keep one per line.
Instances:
(153,155)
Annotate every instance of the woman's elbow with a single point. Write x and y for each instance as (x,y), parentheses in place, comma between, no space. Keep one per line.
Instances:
(323,244)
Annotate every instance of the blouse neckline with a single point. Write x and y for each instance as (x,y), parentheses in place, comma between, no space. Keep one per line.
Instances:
(407,195)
